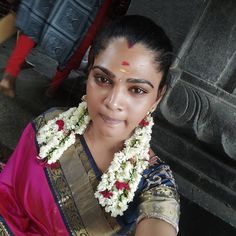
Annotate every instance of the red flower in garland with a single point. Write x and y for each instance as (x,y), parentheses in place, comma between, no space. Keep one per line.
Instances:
(122,185)
(60,124)
(143,123)
(106,193)
(43,162)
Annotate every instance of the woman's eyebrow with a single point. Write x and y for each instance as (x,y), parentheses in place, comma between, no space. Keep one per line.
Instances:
(142,81)
(130,80)
(104,70)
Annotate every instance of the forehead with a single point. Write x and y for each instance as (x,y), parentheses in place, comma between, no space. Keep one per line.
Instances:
(126,60)
(120,48)
(137,59)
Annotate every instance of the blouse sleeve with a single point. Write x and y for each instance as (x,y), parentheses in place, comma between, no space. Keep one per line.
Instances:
(159,198)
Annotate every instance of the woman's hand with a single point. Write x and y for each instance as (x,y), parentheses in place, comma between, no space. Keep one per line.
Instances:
(154,227)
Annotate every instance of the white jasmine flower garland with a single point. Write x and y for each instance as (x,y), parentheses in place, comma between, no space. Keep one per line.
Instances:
(60,133)
(119,183)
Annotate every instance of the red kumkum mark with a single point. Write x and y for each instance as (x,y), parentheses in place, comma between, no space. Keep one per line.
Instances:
(125,63)
(130,44)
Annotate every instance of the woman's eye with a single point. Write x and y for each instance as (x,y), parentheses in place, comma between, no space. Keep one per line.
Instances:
(138,91)
(102,80)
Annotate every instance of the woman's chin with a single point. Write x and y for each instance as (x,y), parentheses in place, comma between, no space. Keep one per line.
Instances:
(112,132)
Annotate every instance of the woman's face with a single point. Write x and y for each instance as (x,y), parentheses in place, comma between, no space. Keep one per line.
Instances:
(122,88)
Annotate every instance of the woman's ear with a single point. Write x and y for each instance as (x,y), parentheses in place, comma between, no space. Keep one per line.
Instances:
(161,93)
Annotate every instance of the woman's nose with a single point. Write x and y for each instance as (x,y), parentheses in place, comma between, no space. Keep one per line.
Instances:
(114,99)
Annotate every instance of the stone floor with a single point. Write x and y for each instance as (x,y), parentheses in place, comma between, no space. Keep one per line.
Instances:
(31,101)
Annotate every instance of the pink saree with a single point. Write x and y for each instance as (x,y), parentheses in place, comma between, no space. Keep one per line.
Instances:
(38,199)
(22,178)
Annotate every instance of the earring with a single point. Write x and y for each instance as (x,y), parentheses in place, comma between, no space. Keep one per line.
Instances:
(84,98)
(152,110)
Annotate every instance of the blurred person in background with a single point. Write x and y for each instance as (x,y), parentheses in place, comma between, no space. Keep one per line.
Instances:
(63,29)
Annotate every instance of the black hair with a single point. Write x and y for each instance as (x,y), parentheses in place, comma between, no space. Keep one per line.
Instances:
(137,29)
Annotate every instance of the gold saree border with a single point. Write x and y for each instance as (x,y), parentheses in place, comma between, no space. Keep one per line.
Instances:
(73,184)
(94,182)
(82,181)
(42,119)
(65,202)
(59,185)
(61,189)
(4,230)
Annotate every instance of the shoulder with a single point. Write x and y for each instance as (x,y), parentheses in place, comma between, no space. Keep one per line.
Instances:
(158,173)
(50,114)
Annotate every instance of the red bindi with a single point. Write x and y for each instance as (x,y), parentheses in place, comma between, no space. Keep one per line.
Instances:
(125,63)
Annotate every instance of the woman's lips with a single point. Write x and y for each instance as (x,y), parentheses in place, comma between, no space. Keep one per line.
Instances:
(110,121)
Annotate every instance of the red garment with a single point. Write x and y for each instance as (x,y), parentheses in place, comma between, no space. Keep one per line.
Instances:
(23,48)
(25,44)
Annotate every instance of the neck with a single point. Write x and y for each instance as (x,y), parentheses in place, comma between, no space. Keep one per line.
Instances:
(102,147)
(95,138)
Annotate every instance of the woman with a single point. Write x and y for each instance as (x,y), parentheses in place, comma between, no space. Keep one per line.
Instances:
(90,170)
